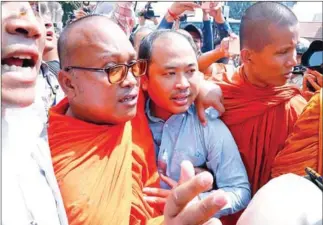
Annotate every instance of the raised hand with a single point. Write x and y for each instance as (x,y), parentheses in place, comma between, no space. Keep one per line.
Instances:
(180,209)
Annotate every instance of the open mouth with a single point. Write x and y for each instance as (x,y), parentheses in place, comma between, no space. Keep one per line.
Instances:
(49,34)
(128,98)
(180,97)
(17,62)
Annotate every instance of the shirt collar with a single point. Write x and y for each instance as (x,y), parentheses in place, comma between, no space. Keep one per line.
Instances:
(44,68)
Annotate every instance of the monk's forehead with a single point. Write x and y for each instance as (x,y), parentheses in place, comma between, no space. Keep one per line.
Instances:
(99,37)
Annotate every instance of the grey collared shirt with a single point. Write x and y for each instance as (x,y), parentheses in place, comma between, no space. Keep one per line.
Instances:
(182,137)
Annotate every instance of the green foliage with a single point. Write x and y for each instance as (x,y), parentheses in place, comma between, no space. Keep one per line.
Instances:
(68,8)
(238,8)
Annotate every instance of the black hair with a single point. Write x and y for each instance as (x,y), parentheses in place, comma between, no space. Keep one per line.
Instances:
(146,45)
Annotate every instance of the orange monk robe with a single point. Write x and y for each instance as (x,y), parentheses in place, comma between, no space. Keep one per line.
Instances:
(101,170)
(260,120)
(304,145)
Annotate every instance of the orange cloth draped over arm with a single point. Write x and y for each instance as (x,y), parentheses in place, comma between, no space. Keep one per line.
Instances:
(102,169)
(304,146)
(260,119)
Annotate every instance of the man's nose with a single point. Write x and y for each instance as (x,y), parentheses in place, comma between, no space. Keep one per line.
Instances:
(292,61)
(130,80)
(26,25)
(182,82)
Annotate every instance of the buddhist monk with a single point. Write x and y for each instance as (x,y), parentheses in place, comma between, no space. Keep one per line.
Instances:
(102,150)
(304,145)
(261,109)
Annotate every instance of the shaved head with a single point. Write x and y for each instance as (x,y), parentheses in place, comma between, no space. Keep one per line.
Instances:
(76,34)
(258,21)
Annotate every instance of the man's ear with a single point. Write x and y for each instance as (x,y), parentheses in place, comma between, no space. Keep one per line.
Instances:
(245,56)
(144,82)
(65,79)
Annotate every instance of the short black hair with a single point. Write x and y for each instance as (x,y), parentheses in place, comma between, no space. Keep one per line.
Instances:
(64,37)
(254,32)
(146,45)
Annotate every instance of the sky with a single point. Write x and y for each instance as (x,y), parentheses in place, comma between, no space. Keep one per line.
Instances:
(305,11)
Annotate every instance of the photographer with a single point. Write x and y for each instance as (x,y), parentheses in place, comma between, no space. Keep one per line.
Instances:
(147,14)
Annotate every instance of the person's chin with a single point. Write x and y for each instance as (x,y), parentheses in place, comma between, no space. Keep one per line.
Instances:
(129,115)
(18,98)
(49,47)
(175,109)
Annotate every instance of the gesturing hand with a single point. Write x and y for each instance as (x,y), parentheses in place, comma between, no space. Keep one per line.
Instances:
(179,208)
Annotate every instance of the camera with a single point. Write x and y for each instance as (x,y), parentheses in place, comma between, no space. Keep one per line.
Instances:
(312,59)
(86,10)
(148,13)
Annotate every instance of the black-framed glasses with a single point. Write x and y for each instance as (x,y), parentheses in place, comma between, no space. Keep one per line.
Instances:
(118,73)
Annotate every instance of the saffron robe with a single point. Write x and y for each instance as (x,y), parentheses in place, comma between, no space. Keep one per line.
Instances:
(304,145)
(260,120)
(101,169)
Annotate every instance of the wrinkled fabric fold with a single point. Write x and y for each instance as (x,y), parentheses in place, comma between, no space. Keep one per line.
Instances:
(260,120)
(102,169)
(304,145)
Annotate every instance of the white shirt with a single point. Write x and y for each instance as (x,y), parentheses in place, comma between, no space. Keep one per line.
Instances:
(30,193)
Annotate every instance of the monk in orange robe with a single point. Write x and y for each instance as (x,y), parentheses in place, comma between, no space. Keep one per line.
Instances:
(261,109)
(304,145)
(102,149)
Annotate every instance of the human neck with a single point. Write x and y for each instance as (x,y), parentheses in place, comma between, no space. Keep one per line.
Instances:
(20,125)
(50,55)
(252,78)
(159,112)
(79,116)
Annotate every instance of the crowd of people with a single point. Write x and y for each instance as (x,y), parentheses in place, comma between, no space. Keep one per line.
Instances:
(113,122)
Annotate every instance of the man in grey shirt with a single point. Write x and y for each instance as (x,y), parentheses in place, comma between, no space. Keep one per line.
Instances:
(30,194)
(172,82)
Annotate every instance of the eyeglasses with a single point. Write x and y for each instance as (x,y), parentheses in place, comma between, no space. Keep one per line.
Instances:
(118,73)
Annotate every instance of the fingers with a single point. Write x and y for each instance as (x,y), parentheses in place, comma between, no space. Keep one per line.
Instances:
(192,5)
(314,84)
(202,211)
(213,221)
(155,200)
(187,172)
(184,193)
(169,181)
(201,113)
(199,170)
(318,76)
(218,105)
(156,192)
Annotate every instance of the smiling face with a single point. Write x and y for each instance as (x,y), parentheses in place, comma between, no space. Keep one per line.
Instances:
(273,65)
(91,96)
(21,49)
(173,78)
